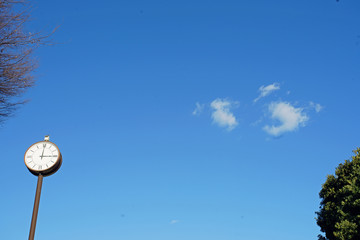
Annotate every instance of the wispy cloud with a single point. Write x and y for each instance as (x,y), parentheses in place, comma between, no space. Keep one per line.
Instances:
(198,109)
(289,116)
(257,122)
(316,106)
(222,115)
(174,221)
(266,90)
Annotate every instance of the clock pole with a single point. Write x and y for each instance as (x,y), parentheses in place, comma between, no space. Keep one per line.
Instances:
(36,207)
(42,159)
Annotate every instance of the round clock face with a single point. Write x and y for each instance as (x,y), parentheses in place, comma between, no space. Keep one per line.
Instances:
(42,156)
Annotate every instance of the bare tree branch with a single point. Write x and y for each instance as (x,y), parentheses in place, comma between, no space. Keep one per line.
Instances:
(16,61)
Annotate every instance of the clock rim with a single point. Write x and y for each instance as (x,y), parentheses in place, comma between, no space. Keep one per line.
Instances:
(48,171)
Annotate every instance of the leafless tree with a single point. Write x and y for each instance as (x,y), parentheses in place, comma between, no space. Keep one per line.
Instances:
(16,48)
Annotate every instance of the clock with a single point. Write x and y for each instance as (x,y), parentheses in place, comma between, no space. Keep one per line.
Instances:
(43,158)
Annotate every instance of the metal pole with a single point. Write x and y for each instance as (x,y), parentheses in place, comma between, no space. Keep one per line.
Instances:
(36,207)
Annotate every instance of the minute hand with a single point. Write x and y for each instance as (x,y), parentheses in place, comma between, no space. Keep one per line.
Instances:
(42,155)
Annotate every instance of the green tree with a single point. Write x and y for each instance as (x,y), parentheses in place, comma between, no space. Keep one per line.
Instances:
(339,214)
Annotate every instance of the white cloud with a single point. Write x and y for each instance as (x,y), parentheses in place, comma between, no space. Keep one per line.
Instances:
(264,91)
(222,115)
(198,109)
(316,106)
(174,221)
(290,117)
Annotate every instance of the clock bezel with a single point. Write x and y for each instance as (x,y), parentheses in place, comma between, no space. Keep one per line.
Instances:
(52,169)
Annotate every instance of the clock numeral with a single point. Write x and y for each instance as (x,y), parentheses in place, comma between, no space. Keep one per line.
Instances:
(46,165)
(40,167)
(55,155)
(52,161)
(29,156)
(44,145)
(37,146)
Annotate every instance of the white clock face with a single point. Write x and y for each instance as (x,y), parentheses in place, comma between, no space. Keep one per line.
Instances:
(41,156)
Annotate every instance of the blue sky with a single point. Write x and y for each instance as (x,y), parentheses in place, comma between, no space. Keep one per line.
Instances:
(185,119)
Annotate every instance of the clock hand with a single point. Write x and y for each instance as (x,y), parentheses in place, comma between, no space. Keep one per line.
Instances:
(42,155)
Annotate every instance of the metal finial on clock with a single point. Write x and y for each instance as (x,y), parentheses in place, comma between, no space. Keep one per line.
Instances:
(47,138)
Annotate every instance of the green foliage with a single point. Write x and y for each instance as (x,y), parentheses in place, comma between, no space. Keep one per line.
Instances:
(339,214)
